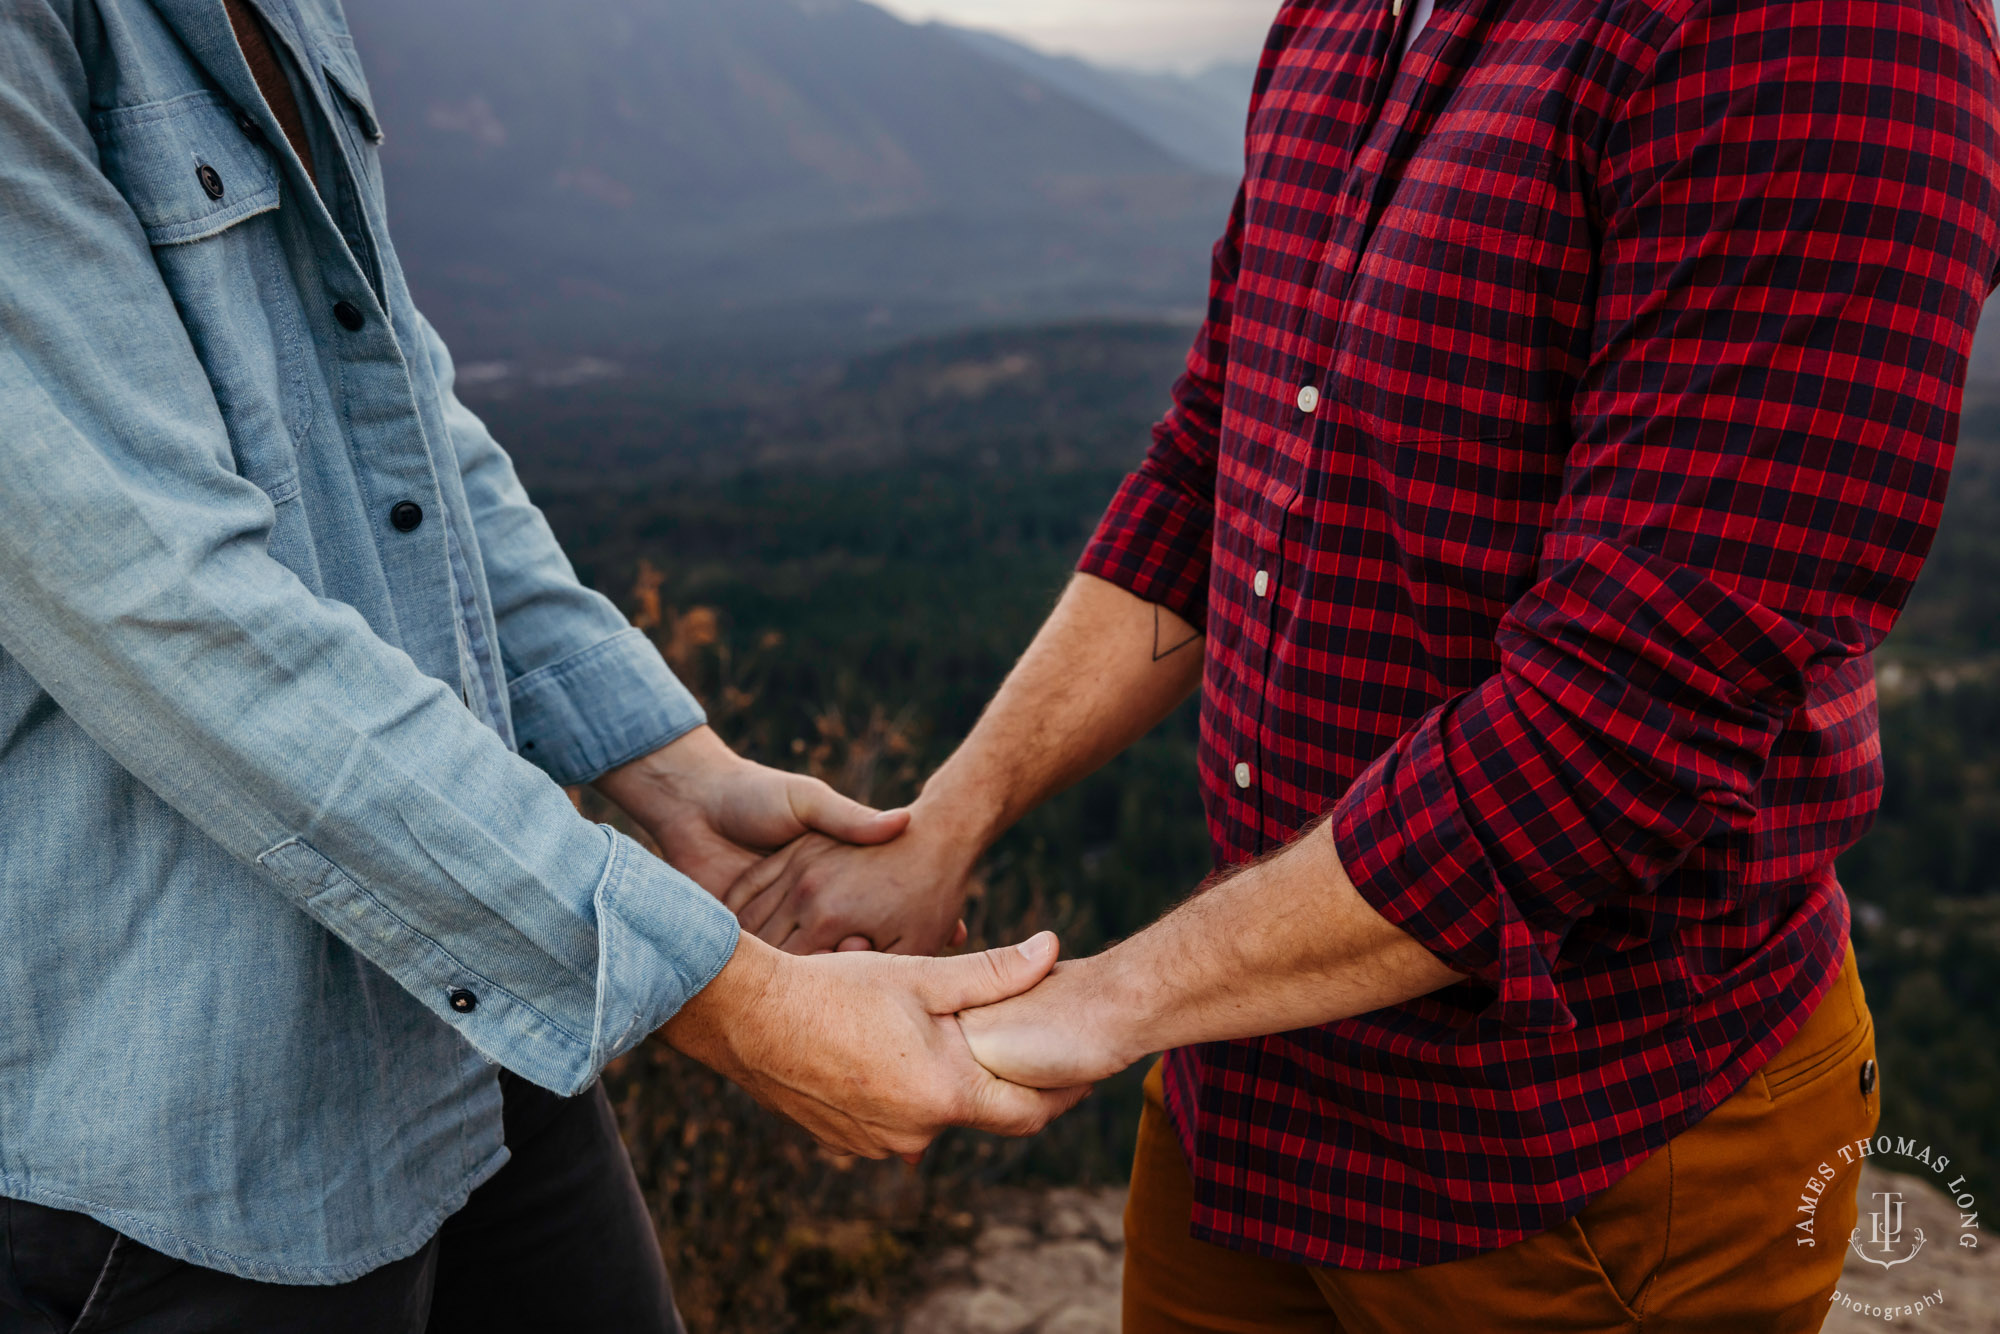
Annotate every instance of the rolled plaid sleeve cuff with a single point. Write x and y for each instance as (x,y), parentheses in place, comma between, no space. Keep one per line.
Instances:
(1156,542)
(599,708)
(1403,840)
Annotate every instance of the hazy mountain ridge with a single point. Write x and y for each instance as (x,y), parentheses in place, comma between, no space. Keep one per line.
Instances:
(660,171)
(1197,118)
(1985,374)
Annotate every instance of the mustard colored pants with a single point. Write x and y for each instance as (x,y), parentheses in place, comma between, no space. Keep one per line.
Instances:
(1700,1239)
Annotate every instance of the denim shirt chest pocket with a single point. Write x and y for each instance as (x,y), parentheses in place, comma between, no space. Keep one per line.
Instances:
(207,193)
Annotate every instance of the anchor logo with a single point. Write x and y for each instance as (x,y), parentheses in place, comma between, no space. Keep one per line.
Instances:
(1885,1233)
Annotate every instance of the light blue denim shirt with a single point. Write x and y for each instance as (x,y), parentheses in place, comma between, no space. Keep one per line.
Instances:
(279,774)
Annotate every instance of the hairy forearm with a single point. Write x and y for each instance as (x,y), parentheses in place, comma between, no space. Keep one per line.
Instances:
(1104,670)
(1286,943)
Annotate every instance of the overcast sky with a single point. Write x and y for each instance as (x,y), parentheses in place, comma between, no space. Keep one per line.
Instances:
(1179,33)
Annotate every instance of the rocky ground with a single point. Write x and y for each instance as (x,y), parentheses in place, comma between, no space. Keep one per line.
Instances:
(1048,1264)
(1042,1264)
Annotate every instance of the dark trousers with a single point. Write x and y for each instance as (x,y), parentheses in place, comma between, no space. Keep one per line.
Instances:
(559,1239)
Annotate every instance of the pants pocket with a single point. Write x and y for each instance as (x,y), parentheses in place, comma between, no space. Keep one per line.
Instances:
(97,1307)
(52,1262)
(1625,1293)
(1837,1036)
(1800,1075)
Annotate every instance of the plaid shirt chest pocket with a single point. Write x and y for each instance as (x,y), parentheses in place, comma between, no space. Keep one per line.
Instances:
(1437,336)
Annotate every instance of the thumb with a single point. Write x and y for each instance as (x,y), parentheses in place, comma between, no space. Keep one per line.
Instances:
(972,980)
(818,807)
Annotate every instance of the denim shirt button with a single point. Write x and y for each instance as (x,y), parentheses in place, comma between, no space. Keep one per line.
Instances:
(251,129)
(211,180)
(405,516)
(463,1001)
(350,316)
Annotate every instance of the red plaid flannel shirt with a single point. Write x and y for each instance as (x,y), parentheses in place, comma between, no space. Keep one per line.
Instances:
(1572,417)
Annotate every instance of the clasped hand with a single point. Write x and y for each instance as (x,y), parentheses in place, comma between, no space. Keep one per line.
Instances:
(864,1050)
(905,896)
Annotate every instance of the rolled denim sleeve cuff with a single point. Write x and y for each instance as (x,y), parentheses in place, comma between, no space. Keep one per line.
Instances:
(600,708)
(661,939)
(1404,841)
(1156,542)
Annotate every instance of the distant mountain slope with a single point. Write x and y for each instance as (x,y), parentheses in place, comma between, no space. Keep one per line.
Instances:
(1198,118)
(1051,399)
(1985,380)
(656,171)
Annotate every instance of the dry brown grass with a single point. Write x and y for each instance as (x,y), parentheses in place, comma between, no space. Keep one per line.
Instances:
(762,1230)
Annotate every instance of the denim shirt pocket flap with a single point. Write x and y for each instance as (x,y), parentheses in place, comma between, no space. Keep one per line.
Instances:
(343,71)
(186,167)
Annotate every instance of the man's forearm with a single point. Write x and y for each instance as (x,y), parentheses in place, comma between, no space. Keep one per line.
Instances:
(1103,671)
(1284,944)
(1287,943)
